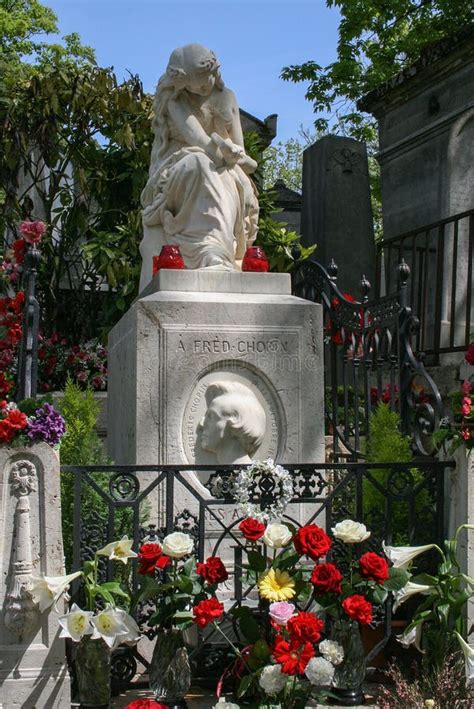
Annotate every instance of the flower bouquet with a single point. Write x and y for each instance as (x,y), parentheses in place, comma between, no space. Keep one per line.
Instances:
(27,423)
(98,629)
(184,593)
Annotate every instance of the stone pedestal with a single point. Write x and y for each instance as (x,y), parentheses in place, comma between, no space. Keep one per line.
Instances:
(33,671)
(192,329)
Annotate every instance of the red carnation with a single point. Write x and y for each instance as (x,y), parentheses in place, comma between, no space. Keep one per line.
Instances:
(326,578)
(305,627)
(207,611)
(358,608)
(213,571)
(469,356)
(292,656)
(312,541)
(148,557)
(252,529)
(373,567)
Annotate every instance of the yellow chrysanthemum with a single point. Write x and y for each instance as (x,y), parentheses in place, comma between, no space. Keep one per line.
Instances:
(276,585)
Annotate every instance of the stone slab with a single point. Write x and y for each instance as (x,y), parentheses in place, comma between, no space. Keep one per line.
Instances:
(33,670)
(206,280)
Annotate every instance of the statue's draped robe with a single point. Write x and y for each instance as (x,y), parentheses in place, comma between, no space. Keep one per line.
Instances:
(211,213)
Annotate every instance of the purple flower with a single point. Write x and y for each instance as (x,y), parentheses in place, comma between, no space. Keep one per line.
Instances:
(46,425)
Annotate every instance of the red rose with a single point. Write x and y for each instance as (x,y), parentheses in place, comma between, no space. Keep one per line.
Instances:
(17,420)
(207,611)
(326,578)
(292,656)
(5,385)
(18,247)
(312,541)
(252,529)
(305,627)
(163,562)
(146,704)
(213,571)
(358,608)
(148,556)
(469,356)
(373,567)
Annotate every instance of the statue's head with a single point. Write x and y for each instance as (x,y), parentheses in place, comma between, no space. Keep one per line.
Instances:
(195,68)
(233,415)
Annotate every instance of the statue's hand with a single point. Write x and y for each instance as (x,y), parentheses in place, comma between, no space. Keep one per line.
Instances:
(231,152)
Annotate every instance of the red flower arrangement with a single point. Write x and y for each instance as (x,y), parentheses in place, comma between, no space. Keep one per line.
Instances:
(146,704)
(305,627)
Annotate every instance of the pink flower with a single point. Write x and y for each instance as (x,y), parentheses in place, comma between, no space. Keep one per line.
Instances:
(465,433)
(466,387)
(32,232)
(466,406)
(469,356)
(281,612)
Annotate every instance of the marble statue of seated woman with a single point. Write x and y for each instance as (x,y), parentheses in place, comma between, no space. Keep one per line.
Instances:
(199,195)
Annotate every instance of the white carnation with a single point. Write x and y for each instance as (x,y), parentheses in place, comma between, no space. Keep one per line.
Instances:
(272,680)
(332,651)
(350,532)
(319,671)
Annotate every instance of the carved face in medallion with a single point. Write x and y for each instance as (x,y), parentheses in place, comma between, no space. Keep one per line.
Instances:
(234,424)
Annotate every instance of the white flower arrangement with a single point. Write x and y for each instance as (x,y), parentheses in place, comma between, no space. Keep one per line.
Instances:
(243,483)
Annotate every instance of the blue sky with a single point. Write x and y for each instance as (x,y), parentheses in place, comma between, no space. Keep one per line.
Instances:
(253,39)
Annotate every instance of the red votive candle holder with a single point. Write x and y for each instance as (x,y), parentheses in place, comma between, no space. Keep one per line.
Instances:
(170,257)
(255,259)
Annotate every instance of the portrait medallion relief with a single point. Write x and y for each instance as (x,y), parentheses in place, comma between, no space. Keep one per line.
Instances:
(232,416)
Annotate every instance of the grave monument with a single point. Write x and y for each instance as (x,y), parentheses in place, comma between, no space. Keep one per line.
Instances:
(211,365)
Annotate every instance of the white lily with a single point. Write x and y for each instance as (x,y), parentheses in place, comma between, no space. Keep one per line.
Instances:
(76,623)
(413,637)
(468,650)
(409,589)
(46,590)
(401,557)
(121,550)
(133,635)
(109,625)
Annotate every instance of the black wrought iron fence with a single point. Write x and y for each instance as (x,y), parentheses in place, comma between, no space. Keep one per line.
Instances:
(441,258)
(399,503)
(368,358)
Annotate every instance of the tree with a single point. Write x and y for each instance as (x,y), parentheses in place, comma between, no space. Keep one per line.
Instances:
(376,40)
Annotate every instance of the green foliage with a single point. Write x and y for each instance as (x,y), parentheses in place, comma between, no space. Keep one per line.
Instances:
(376,40)
(284,161)
(387,444)
(63,116)
(80,446)
(21,21)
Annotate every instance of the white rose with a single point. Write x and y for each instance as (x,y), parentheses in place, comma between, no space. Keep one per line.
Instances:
(272,680)
(277,535)
(350,532)
(332,651)
(177,545)
(319,671)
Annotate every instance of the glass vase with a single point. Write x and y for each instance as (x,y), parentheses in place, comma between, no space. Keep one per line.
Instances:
(92,663)
(170,673)
(350,674)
